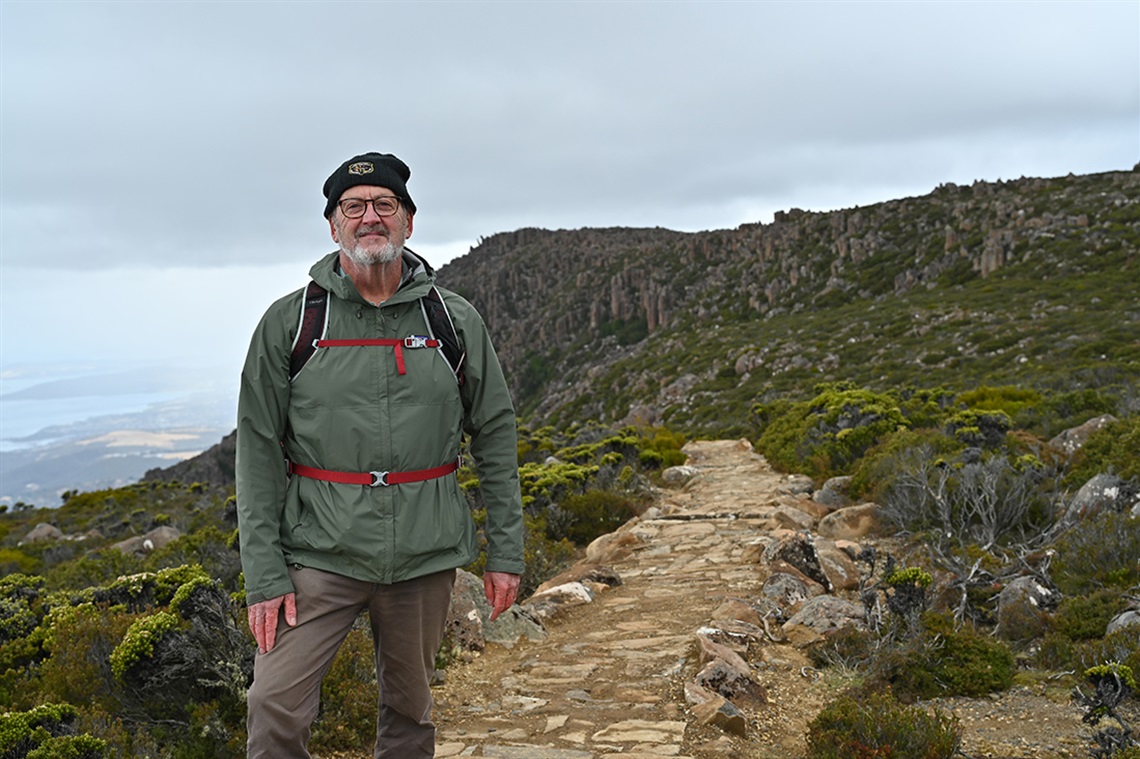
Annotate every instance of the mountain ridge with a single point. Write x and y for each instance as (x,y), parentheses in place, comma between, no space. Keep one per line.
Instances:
(660,318)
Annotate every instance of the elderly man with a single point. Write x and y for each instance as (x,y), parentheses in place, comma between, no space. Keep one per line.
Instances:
(347,450)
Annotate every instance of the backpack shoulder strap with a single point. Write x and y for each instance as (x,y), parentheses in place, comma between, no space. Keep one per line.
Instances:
(439,322)
(310,327)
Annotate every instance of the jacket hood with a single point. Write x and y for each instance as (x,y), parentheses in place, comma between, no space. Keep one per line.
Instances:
(418,275)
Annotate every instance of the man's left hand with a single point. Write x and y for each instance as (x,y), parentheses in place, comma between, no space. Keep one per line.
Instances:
(501,588)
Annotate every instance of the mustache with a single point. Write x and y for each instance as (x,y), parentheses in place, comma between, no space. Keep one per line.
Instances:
(369,228)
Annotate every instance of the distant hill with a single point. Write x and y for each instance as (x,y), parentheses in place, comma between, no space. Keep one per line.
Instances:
(1031,281)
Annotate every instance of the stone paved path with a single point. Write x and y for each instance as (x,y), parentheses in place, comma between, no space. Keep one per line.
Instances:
(608,680)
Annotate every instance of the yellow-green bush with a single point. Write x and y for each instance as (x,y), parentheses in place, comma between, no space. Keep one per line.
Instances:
(877,727)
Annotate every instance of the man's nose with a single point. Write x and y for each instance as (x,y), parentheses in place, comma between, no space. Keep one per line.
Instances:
(370,215)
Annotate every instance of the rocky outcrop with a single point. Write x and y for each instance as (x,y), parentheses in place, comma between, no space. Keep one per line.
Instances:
(566,303)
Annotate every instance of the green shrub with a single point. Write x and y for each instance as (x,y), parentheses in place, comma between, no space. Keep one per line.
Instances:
(828,434)
(944,661)
(1102,551)
(1120,647)
(139,643)
(1007,399)
(878,727)
(1114,448)
(1055,652)
(70,747)
(896,453)
(582,517)
(1087,617)
(46,732)
(982,429)
(80,640)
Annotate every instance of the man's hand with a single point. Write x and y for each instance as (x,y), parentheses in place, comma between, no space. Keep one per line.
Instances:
(263,619)
(500,589)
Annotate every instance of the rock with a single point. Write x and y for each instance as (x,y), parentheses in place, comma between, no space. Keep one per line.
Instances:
(798,550)
(556,600)
(595,576)
(850,523)
(735,609)
(731,682)
(797,484)
(677,476)
(833,493)
(1074,438)
(42,531)
(161,536)
(789,591)
(135,545)
(469,618)
(737,636)
(720,712)
(839,567)
(1099,494)
(612,547)
(710,651)
(1129,618)
(1021,608)
(668,732)
(698,694)
(464,622)
(827,614)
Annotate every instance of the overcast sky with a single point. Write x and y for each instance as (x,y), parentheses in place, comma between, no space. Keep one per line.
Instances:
(161,163)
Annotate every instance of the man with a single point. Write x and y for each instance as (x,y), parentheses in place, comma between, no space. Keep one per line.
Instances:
(346,488)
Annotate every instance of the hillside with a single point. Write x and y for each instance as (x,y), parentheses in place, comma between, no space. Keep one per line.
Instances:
(1032,281)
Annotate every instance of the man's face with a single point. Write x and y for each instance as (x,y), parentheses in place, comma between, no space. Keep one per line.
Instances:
(371,239)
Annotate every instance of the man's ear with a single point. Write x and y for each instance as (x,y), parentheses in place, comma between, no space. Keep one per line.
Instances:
(409,234)
(332,230)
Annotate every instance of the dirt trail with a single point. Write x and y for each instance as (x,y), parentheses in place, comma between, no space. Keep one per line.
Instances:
(609,677)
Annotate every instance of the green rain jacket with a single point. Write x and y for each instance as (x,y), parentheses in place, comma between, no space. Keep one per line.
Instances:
(349,410)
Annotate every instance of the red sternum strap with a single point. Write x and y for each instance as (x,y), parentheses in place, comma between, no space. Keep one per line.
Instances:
(373,479)
(397,345)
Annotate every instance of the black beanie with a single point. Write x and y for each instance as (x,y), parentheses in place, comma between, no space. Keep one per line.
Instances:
(379,169)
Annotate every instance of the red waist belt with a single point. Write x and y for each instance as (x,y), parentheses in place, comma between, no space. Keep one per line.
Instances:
(373,479)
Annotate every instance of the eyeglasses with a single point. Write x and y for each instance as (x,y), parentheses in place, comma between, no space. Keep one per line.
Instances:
(354,208)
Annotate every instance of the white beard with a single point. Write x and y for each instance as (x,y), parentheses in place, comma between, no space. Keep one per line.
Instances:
(390,251)
(386,255)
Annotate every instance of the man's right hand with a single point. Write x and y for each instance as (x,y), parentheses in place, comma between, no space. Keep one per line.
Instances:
(263,619)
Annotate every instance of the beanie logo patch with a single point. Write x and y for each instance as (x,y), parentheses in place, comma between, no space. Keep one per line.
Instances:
(361,168)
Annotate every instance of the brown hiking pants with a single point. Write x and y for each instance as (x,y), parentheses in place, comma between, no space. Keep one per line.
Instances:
(407,621)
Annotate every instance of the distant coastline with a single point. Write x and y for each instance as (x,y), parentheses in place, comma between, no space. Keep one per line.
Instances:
(71,429)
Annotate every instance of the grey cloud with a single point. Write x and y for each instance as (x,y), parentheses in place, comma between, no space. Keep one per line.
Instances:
(199,134)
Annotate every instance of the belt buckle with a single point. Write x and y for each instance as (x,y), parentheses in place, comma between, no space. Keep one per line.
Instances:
(379,479)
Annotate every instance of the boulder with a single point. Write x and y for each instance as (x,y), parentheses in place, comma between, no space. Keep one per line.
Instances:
(42,531)
(1099,494)
(597,577)
(469,622)
(839,567)
(1130,618)
(1074,438)
(1021,608)
(798,550)
(827,614)
(678,476)
(850,523)
(833,494)
(554,601)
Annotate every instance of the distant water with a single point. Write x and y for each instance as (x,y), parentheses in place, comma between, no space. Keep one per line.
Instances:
(23,419)
(45,406)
